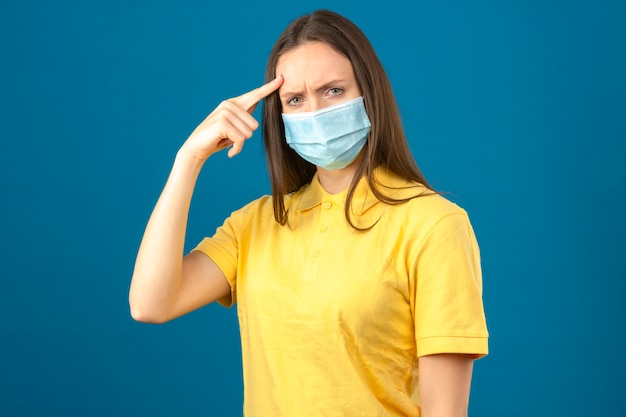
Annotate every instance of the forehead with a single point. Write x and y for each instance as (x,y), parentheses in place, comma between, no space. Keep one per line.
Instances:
(313,61)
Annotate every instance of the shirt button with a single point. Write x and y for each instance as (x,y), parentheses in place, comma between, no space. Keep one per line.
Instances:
(323,228)
(328,205)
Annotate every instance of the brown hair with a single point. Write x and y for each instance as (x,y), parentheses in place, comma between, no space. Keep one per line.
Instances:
(386,144)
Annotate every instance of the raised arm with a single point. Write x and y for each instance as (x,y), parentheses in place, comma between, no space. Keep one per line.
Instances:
(165,284)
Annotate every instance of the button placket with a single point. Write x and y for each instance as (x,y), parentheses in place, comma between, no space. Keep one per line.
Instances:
(325,219)
(319,240)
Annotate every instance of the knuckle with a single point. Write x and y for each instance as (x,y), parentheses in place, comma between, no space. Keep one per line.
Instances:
(224,104)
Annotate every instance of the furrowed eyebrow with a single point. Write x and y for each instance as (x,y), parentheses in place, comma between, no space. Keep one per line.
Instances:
(323,87)
(329,84)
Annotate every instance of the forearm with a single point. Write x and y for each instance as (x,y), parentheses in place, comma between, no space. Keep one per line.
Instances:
(158,267)
(161,289)
(445,381)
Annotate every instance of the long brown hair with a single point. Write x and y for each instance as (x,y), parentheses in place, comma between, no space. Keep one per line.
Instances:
(386,144)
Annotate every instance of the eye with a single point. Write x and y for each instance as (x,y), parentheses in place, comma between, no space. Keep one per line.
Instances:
(335,91)
(294,101)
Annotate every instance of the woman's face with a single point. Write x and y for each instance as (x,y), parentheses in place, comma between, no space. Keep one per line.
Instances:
(316,76)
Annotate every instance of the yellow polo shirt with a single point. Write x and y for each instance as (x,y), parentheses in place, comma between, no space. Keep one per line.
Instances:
(332,319)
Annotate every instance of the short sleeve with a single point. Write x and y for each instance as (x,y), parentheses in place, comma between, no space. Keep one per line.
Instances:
(447,290)
(222,248)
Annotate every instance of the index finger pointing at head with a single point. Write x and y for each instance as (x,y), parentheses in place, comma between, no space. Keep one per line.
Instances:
(250,99)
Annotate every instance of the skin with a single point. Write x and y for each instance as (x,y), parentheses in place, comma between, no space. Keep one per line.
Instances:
(166,284)
(316,76)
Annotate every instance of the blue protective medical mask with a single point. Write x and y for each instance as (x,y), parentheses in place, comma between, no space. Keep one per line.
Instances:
(330,138)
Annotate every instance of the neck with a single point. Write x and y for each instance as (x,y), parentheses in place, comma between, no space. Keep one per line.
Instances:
(337,180)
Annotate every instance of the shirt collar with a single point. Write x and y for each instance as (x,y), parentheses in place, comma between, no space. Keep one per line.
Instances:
(363,199)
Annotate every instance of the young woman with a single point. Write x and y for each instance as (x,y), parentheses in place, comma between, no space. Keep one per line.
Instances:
(358,287)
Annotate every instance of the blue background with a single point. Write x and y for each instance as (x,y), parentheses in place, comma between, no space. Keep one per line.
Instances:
(516,108)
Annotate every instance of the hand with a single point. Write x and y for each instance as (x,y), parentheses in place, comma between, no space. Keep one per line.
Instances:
(229,125)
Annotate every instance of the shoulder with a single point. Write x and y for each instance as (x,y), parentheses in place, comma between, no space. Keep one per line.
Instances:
(415,197)
(414,194)
(433,204)
(260,208)
(260,204)
(420,211)
(427,213)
